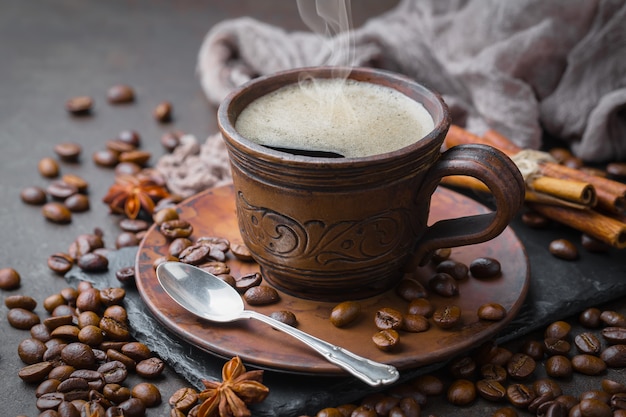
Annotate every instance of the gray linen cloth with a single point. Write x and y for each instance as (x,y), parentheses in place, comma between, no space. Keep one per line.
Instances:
(515,66)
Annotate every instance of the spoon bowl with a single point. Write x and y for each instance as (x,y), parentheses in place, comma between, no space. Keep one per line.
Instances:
(210,298)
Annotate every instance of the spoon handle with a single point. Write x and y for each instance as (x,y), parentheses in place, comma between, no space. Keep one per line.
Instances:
(370,372)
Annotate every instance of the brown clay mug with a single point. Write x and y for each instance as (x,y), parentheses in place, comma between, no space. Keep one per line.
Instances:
(346,228)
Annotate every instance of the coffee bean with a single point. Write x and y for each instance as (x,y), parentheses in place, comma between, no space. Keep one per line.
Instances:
(490,389)
(563,249)
(93,262)
(183,399)
(105,158)
(120,93)
(261,295)
(34,195)
(443,284)
(614,356)
(112,295)
(614,335)
(68,409)
(345,313)
(90,335)
(388,318)
(410,289)
(461,392)
(216,268)
(554,346)
(587,343)
(68,151)
(588,364)
(20,301)
(60,190)
(613,318)
(126,275)
(594,245)
(243,283)
(421,306)
(176,228)
(126,239)
(415,323)
(386,339)
(594,408)
(618,401)
(137,351)
(504,412)
(463,367)
(76,181)
(77,203)
(195,254)
(31,351)
(60,262)
(534,349)
(491,312)
(535,220)
(35,373)
(176,247)
(113,372)
(447,316)
(590,318)
(440,255)
(493,372)
(133,225)
(140,158)
(456,270)
(22,319)
(150,368)
(485,267)
(520,395)
(148,393)
(613,387)
(56,212)
(66,332)
(94,378)
(47,386)
(48,167)
(171,140)
(79,355)
(127,168)
(79,105)
(165,214)
(521,366)
(616,169)
(163,112)
(50,401)
(557,330)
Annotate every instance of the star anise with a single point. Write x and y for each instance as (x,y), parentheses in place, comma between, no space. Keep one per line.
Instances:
(230,397)
(131,194)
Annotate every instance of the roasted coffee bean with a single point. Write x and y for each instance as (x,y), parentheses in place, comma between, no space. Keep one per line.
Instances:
(244,282)
(587,343)
(410,289)
(163,112)
(421,306)
(10,279)
(216,268)
(618,401)
(461,392)
(126,275)
(79,105)
(178,245)
(447,316)
(22,319)
(34,195)
(194,254)
(90,335)
(588,364)
(113,372)
(93,262)
(70,295)
(126,239)
(116,393)
(89,300)
(76,181)
(105,158)
(67,409)
(613,318)
(388,318)
(47,386)
(594,245)
(64,310)
(557,330)
(66,332)
(261,295)
(605,397)
(386,339)
(534,349)
(552,408)
(613,387)
(440,255)
(614,335)
(120,93)
(591,407)
(31,351)
(415,323)
(77,203)
(79,355)
(491,312)
(112,296)
(60,262)
(162,259)
(285,316)
(68,151)
(140,158)
(56,321)
(429,385)
(136,351)
(457,270)
(148,393)
(94,378)
(614,356)
(48,167)
(559,366)
(555,346)
(114,329)
(616,169)
(150,368)
(241,252)
(127,168)
(535,220)
(590,318)
(521,366)
(164,215)
(53,352)
(115,355)
(493,372)
(129,136)
(50,401)
(83,244)
(490,389)
(443,284)
(505,412)
(56,212)
(485,267)
(176,228)
(60,190)
(563,249)
(36,372)
(170,140)
(520,395)
(345,313)
(133,225)
(20,301)
(88,318)
(183,399)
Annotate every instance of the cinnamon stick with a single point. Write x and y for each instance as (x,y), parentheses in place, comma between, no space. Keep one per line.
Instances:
(590,222)
(570,190)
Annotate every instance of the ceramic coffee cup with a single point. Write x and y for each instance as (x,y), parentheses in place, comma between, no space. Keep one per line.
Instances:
(347,228)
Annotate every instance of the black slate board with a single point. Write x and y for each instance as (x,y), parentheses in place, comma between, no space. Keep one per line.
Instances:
(558,289)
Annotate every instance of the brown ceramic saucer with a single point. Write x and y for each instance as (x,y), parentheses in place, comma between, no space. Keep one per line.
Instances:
(212,213)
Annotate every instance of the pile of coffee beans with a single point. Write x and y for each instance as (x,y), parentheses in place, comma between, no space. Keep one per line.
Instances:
(80,355)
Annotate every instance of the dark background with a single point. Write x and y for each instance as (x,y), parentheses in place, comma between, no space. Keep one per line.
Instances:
(53,50)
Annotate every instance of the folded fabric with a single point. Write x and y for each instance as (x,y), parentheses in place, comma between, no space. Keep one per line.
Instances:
(518,67)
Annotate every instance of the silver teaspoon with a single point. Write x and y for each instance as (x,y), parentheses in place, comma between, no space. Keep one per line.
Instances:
(207,296)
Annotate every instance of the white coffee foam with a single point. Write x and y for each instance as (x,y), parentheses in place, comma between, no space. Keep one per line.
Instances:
(352,118)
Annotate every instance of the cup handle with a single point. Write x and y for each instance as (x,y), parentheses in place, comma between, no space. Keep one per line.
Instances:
(498,173)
